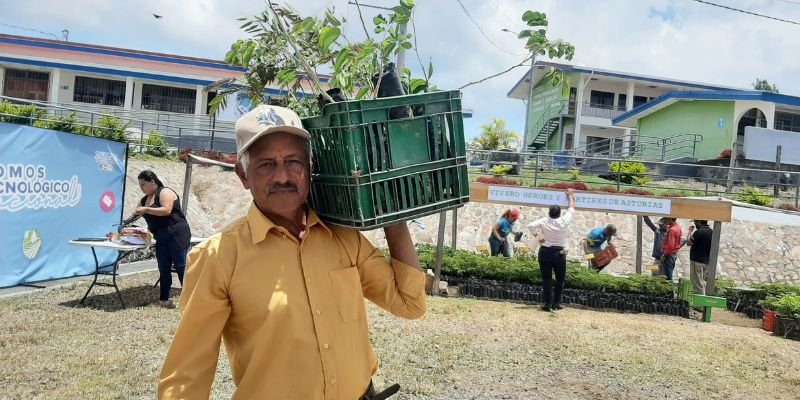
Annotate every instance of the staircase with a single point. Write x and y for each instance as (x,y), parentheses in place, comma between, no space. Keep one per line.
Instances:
(546,126)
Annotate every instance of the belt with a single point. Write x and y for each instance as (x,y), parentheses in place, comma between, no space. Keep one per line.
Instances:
(372,394)
(553,248)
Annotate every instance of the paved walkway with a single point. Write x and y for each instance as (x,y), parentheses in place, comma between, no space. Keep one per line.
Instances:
(124,269)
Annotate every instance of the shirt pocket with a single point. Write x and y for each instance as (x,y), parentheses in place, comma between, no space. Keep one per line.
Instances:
(348,293)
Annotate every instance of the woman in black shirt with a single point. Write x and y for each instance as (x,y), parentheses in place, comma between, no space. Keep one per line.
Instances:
(161,208)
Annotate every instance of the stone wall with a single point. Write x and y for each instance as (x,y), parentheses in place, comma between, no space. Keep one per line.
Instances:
(749,252)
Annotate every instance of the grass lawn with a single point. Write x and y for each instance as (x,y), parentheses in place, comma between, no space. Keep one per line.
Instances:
(462,349)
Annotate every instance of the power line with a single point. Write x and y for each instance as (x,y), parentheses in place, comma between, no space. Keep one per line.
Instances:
(484,33)
(747,12)
(513,21)
(30,29)
(790,2)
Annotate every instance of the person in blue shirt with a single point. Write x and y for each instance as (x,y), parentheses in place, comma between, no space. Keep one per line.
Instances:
(594,240)
(498,240)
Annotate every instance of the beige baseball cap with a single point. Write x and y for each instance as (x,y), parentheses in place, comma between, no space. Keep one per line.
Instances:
(264,120)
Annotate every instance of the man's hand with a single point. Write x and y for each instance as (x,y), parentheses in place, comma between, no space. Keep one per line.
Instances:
(140,210)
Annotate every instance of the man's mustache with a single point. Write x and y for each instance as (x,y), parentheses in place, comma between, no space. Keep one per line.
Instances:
(287,187)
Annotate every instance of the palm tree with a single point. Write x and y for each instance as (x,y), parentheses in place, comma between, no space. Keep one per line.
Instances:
(495,136)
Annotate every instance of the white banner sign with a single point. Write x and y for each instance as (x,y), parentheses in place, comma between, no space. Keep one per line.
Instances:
(596,201)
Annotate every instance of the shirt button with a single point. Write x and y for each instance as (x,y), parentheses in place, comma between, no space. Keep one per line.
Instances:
(318,312)
(284,235)
(325,345)
(333,381)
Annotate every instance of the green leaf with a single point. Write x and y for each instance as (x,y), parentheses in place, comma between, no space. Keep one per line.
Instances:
(248,52)
(340,59)
(362,92)
(430,68)
(405,45)
(331,18)
(305,25)
(378,19)
(327,36)
(534,18)
(417,85)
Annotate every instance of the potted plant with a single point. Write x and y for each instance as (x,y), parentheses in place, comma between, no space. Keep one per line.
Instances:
(787,321)
(768,319)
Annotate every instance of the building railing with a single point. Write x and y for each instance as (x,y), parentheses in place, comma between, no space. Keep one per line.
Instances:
(194,134)
(601,111)
(778,187)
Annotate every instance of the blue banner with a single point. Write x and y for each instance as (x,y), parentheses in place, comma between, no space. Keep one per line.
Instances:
(55,187)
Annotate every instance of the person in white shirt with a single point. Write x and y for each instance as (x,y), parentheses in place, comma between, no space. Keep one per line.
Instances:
(552,257)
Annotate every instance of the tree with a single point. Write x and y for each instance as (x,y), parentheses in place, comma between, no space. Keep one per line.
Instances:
(495,136)
(763,84)
(286,49)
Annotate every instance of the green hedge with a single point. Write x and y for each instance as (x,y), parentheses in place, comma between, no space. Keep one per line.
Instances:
(461,263)
(788,306)
(106,127)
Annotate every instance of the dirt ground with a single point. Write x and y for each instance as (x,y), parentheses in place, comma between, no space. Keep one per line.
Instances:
(462,349)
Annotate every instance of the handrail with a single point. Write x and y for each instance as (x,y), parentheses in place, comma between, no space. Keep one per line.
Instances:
(546,116)
(98,114)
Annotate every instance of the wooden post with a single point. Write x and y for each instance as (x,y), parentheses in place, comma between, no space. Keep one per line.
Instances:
(187,183)
(437,273)
(712,259)
(731,166)
(639,244)
(777,168)
(454,234)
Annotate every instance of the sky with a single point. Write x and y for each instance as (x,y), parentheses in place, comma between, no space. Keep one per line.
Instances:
(678,39)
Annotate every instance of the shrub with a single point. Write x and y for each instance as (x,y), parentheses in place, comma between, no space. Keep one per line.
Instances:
(752,195)
(788,207)
(723,286)
(607,189)
(574,174)
(495,180)
(770,303)
(777,289)
(467,264)
(630,172)
(501,169)
(640,192)
(156,145)
(70,123)
(18,114)
(566,185)
(788,306)
(111,128)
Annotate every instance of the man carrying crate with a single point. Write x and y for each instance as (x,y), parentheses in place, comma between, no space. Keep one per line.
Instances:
(593,244)
(283,290)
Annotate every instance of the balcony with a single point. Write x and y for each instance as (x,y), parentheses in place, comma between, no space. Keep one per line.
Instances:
(601,111)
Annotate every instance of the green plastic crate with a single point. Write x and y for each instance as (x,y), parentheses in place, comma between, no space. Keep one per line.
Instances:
(371,170)
(686,290)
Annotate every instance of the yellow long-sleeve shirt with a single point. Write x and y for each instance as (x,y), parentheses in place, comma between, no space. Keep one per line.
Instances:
(291,312)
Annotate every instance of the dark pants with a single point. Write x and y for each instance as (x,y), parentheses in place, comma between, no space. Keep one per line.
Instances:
(169,254)
(497,247)
(667,265)
(551,259)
